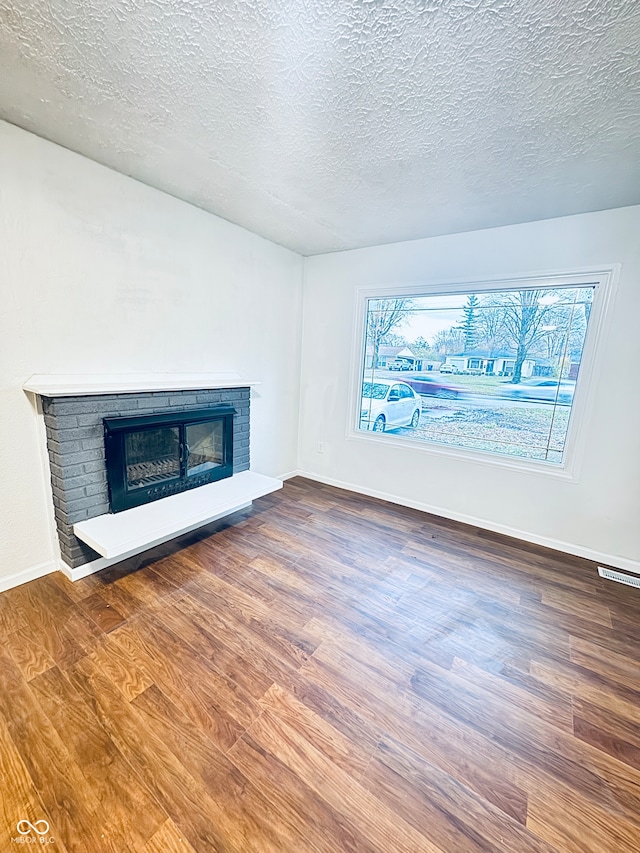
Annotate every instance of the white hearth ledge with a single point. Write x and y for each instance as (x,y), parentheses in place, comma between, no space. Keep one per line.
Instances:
(123,534)
(77,384)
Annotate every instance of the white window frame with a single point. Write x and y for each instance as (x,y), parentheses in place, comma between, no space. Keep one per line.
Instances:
(604,281)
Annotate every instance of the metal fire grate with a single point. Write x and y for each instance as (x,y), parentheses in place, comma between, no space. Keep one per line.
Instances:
(155,471)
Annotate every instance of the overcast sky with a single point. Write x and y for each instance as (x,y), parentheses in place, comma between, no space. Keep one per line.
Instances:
(433,314)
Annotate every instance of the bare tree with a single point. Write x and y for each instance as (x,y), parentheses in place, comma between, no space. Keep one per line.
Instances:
(449,341)
(553,340)
(383,315)
(524,315)
(563,333)
(393,340)
(422,347)
(491,331)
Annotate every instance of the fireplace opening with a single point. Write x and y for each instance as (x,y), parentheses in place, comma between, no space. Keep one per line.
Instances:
(153,456)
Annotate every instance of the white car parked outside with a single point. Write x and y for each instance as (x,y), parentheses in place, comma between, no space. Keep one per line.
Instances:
(386,405)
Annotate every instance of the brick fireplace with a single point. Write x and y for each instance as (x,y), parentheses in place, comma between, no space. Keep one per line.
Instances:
(76,448)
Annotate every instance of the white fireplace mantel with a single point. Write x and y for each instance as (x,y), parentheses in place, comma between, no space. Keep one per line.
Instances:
(78,384)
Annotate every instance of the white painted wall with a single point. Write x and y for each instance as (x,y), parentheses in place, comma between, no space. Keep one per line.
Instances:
(92,264)
(599,515)
(99,273)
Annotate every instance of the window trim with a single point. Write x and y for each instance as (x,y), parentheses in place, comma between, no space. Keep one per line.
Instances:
(603,278)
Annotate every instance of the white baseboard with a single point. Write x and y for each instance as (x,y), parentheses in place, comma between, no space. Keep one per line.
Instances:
(289,475)
(555,544)
(42,569)
(26,575)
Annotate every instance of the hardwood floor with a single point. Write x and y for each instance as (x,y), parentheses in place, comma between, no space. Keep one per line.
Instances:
(325,673)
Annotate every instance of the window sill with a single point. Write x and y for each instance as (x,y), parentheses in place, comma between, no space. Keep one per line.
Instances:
(562,471)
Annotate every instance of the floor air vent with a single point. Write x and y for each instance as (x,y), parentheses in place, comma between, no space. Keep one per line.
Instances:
(618,577)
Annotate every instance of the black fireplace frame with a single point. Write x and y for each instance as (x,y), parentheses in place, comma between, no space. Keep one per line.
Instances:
(115,429)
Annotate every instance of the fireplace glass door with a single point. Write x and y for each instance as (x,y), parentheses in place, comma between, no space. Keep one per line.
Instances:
(154,456)
(204,446)
(151,456)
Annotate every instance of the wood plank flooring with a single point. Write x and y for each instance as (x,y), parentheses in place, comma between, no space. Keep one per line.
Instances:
(325,673)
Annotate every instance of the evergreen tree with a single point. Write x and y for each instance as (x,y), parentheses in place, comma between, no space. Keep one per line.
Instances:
(469,326)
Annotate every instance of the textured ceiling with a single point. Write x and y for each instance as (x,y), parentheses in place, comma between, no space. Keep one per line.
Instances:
(330,124)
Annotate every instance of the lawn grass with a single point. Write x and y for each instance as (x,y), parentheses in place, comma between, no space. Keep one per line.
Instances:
(474,384)
(532,432)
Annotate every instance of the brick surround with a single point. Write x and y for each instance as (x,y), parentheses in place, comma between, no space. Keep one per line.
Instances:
(75,442)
